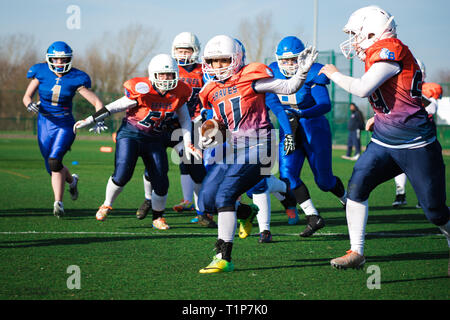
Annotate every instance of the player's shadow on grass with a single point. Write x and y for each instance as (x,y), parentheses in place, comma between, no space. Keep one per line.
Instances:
(88,239)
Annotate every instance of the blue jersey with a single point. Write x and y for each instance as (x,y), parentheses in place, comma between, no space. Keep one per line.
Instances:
(312,104)
(56,93)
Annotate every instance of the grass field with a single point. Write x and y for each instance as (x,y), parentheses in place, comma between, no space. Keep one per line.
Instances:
(125,259)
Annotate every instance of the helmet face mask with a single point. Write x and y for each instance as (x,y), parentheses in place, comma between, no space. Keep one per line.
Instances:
(163,64)
(365,27)
(186,40)
(218,48)
(288,50)
(57,50)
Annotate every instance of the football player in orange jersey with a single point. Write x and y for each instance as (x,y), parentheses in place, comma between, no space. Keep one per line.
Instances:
(186,51)
(236,93)
(430,93)
(403,139)
(149,103)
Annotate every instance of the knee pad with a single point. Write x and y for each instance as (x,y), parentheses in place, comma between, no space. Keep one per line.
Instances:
(55,165)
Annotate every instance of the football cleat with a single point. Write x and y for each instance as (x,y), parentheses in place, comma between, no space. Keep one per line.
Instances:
(265,237)
(184,205)
(73,190)
(160,224)
(195,219)
(245,226)
(350,260)
(218,265)
(206,220)
(400,200)
(292,214)
(314,223)
(102,212)
(58,209)
(144,209)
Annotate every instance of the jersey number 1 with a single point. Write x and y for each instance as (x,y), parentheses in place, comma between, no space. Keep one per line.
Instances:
(56,90)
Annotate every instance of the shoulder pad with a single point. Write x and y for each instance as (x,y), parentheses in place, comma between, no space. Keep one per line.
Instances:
(136,87)
(256,70)
(386,50)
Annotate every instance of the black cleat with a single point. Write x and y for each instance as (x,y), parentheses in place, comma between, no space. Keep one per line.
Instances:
(206,220)
(400,200)
(314,223)
(142,212)
(265,237)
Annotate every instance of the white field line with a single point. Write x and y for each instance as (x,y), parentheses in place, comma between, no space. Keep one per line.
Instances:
(376,234)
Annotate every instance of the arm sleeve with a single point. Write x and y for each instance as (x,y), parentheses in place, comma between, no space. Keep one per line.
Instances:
(323,104)
(274,104)
(374,77)
(119,105)
(185,121)
(280,86)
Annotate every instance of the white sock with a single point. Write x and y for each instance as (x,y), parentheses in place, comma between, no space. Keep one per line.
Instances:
(262,200)
(147,188)
(308,208)
(112,191)
(445,229)
(158,202)
(197,187)
(275,185)
(227,225)
(400,184)
(357,214)
(187,185)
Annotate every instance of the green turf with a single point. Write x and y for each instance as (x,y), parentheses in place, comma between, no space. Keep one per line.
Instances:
(124,258)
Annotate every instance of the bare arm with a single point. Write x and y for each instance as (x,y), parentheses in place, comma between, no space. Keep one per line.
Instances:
(91,97)
(29,93)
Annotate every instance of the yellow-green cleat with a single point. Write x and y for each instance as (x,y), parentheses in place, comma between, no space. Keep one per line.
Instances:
(218,265)
(245,225)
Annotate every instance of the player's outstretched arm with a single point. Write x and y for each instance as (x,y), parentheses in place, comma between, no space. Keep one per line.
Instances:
(91,97)
(97,118)
(28,96)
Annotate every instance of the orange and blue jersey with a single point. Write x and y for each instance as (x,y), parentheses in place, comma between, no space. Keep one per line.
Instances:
(192,75)
(401,121)
(237,104)
(153,108)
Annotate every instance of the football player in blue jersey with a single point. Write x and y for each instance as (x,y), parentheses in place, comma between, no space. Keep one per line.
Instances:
(304,133)
(57,82)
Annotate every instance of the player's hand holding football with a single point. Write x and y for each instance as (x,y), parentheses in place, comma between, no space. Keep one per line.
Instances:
(83,123)
(33,107)
(306,59)
(99,127)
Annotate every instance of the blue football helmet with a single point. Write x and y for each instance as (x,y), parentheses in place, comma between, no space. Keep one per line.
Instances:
(244,62)
(288,48)
(59,49)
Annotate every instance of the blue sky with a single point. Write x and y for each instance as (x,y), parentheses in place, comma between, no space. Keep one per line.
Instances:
(422,25)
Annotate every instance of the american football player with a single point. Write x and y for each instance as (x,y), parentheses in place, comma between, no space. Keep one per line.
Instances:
(307,134)
(236,93)
(57,82)
(403,139)
(149,103)
(185,50)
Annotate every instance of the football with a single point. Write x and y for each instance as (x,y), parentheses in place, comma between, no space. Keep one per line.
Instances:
(211,128)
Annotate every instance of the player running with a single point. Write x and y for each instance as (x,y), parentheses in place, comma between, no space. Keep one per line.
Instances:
(403,139)
(236,93)
(57,82)
(149,102)
(305,133)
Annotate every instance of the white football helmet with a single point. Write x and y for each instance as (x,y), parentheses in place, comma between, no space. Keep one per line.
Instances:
(365,27)
(163,63)
(222,46)
(186,40)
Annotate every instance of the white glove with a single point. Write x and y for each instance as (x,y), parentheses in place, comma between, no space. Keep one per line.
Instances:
(99,127)
(33,107)
(190,150)
(83,123)
(306,59)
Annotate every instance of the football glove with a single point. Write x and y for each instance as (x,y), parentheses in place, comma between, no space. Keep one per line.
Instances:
(99,127)
(306,58)
(294,111)
(33,107)
(289,144)
(83,123)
